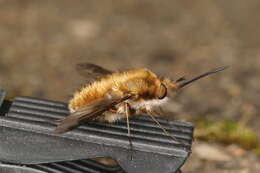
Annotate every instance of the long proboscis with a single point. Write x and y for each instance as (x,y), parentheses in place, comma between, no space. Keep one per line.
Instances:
(202,76)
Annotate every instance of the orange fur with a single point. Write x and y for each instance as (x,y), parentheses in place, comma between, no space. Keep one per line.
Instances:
(137,81)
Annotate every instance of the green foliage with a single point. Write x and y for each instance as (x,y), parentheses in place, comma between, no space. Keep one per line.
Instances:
(228,132)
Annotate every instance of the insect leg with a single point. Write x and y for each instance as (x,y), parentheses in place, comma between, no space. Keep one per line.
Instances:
(127,113)
(164,130)
(160,113)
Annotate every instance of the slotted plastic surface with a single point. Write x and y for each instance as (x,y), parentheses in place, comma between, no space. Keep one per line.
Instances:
(30,119)
(79,166)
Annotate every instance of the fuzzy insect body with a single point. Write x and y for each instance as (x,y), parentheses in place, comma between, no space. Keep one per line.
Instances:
(142,83)
(115,95)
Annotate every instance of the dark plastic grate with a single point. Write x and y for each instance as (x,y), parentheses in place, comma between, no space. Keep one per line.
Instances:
(144,130)
(29,118)
(79,166)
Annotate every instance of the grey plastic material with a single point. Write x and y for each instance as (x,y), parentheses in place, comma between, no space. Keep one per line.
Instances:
(2,96)
(27,138)
(7,168)
(78,166)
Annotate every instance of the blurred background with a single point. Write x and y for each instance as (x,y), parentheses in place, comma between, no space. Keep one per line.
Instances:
(41,41)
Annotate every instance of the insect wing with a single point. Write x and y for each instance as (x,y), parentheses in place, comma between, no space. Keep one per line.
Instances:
(89,112)
(91,71)
(106,104)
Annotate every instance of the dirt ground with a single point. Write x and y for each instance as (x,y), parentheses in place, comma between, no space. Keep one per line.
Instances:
(41,41)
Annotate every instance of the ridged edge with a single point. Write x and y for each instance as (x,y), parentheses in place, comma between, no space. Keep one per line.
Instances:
(37,113)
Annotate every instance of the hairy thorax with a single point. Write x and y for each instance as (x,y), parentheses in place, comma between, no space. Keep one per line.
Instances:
(141,82)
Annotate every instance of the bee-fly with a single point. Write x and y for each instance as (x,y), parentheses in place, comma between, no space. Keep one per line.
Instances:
(120,95)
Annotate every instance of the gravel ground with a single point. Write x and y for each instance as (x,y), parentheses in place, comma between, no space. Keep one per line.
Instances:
(41,41)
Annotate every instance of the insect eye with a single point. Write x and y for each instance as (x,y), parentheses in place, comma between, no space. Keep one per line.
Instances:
(161,92)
